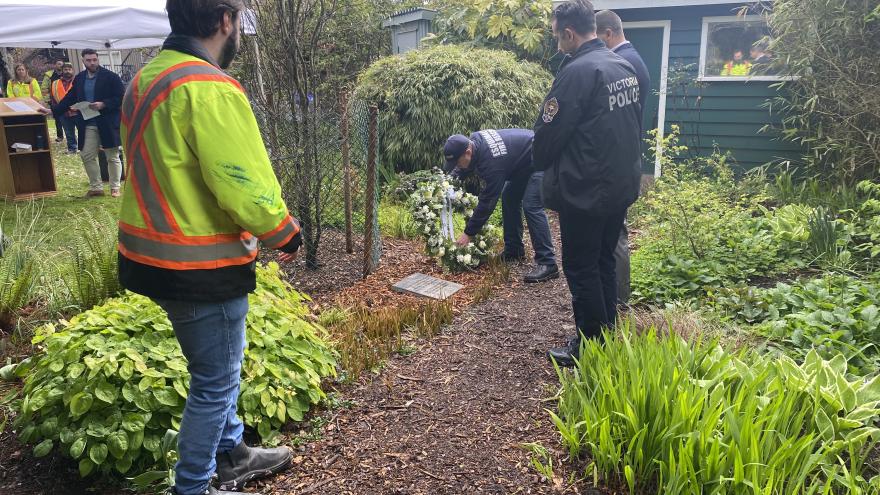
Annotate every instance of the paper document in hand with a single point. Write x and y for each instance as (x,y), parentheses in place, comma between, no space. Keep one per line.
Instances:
(85,110)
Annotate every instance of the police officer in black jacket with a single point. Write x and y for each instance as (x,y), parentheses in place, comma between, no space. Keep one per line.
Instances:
(587,139)
(503,160)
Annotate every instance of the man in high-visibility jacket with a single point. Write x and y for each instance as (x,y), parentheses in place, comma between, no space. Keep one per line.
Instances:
(64,119)
(200,196)
(738,67)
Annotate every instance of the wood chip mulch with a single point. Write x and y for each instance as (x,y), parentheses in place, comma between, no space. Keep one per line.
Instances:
(339,280)
(452,418)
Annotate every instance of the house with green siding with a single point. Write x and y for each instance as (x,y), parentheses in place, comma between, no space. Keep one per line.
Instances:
(701,56)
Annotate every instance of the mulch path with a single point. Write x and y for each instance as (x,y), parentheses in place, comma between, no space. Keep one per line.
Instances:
(452,418)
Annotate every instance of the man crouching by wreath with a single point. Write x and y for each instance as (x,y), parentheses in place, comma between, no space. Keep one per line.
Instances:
(503,159)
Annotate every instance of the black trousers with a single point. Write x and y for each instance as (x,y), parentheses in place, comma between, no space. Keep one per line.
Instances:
(588,244)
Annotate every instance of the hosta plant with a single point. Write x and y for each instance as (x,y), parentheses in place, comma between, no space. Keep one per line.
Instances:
(427,206)
(106,386)
(665,415)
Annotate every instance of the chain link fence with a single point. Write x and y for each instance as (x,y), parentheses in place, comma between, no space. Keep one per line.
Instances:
(327,165)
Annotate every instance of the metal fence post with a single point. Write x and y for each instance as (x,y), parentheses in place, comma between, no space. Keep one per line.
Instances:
(371,222)
(346,170)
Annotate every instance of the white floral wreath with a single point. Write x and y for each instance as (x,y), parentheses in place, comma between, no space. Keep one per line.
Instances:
(432,205)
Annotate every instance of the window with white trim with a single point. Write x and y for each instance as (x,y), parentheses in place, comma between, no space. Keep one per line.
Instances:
(736,48)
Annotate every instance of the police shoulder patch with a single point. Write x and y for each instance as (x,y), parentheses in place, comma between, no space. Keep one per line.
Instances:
(551,108)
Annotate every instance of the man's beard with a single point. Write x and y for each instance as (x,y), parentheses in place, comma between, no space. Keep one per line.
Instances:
(230,49)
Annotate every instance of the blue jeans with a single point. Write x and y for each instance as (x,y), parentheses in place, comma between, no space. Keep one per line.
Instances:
(69,126)
(212,338)
(523,193)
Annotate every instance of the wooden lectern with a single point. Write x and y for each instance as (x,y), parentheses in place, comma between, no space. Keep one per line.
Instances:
(25,174)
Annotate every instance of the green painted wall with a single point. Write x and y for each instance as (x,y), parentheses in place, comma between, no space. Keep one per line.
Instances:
(726,113)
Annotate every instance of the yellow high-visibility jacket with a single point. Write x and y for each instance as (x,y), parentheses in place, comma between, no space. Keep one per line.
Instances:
(17,89)
(200,191)
(732,68)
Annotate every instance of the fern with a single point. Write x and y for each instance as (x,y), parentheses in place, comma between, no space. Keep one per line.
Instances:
(89,272)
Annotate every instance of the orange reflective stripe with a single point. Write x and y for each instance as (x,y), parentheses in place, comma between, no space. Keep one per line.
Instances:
(192,240)
(193,265)
(231,251)
(282,234)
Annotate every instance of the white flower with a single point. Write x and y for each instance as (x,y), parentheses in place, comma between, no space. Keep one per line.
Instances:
(469,213)
(482,244)
(427,229)
(425,209)
(441,251)
(466,259)
(460,258)
(431,216)
(445,184)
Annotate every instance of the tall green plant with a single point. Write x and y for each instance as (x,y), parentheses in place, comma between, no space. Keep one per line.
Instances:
(20,263)
(833,107)
(428,94)
(670,416)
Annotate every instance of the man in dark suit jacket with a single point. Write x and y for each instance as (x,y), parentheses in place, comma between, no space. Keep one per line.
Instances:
(609,28)
(103,89)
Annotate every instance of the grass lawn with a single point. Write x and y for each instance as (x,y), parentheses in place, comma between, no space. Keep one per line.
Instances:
(57,215)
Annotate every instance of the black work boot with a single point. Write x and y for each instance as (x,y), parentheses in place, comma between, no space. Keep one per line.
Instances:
(243,464)
(565,356)
(542,273)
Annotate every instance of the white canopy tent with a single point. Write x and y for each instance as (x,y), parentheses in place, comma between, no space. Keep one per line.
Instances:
(78,24)
(98,24)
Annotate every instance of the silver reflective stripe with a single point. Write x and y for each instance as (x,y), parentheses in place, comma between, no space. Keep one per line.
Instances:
(150,195)
(186,253)
(128,100)
(140,119)
(277,238)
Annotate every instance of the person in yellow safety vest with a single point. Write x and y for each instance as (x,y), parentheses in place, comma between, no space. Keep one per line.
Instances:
(738,67)
(200,197)
(64,120)
(23,85)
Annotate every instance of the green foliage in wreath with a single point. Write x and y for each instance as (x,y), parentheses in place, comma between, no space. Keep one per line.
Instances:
(106,386)
(426,205)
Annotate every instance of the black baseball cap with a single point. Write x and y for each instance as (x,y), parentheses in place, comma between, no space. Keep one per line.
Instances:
(455,146)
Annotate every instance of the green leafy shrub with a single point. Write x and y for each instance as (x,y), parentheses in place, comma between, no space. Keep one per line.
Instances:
(671,416)
(521,26)
(697,236)
(831,315)
(107,385)
(428,94)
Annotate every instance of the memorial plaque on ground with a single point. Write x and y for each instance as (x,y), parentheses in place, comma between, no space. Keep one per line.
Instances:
(427,286)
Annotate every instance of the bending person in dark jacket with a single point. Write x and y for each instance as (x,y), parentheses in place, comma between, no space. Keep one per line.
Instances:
(104,91)
(503,159)
(588,140)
